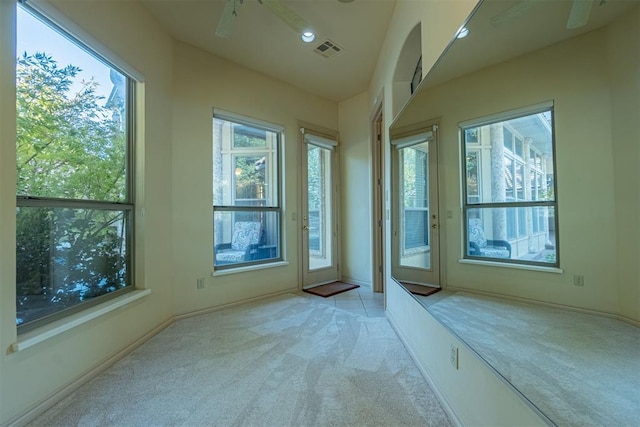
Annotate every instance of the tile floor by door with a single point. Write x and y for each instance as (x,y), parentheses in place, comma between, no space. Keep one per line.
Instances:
(361,301)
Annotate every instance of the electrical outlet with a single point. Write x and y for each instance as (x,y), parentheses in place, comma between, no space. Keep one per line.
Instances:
(578,280)
(453,358)
(200,283)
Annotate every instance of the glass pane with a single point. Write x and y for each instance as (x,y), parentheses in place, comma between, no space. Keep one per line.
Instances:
(414,179)
(245,236)
(249,175)
(245,165)
(519,148)
(519,183)
(473,184)
(65,257)
(319,207)
(510,233)
(509,184)
(248,137)
(503,171)
(471,136)
(71,118)
(507,138)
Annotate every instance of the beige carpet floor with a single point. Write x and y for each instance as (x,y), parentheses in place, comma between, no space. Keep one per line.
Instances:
(285,361)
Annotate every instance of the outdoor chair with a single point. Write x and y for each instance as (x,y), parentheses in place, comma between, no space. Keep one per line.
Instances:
(480,246)
(243,247)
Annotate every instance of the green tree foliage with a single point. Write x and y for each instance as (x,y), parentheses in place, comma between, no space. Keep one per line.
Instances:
(67,144)
(250,177)
(315,170)
(68,147)
(250,170)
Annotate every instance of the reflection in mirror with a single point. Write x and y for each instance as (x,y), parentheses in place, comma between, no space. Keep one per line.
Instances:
(500,30)
(509,201)
(415,240)
(408,71)
(584,62)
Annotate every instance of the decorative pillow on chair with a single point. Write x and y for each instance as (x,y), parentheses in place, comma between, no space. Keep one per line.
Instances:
(244,234)
(476,232)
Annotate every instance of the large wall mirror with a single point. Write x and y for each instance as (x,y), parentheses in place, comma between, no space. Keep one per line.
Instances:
(579,60)
(500,30)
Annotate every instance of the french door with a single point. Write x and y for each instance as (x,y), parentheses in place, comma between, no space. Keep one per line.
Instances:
(319,210)
(415,222)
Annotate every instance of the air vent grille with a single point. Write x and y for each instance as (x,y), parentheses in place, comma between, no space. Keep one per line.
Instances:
(328,49)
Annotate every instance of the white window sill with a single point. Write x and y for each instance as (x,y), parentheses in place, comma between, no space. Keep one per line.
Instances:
(248,268)
(39,335)
(515,266)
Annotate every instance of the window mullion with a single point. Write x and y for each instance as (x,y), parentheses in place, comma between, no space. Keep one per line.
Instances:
(71,204)
(516,204)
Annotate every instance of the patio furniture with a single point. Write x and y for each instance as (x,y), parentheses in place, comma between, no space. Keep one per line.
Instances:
(243,247)
(480,246)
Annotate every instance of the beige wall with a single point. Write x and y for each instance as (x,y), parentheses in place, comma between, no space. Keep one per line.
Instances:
(35,373)
(202,82)
(623,62)
(355,179)
(589,138)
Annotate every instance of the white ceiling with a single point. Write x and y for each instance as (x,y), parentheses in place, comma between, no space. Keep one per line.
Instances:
(263,42)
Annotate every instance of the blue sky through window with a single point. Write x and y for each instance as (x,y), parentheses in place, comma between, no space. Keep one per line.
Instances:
(35,36)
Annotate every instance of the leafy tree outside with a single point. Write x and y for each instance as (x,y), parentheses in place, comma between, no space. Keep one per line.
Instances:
(69,147)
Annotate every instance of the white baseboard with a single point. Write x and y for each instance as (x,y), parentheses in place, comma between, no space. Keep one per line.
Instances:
(232,304)
(547,304)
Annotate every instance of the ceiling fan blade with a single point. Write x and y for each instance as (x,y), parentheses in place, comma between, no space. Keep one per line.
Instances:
(515,11)
(288,16)
(227,19)
(579,15)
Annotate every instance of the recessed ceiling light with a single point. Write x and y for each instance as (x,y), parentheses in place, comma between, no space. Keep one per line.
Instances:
(462,33)
(308,37)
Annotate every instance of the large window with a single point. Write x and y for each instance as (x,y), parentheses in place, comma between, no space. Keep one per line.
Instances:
(510,207)
(246,191)
(74,189)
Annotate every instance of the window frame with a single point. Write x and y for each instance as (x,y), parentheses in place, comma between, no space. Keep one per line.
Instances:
(527,167)
(83,41)
(275,207)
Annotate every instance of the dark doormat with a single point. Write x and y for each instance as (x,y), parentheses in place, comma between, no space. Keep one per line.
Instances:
(422,290)
(331,289)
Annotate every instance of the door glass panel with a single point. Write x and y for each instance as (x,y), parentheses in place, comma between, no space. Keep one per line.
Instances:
(319,207)
(414,206)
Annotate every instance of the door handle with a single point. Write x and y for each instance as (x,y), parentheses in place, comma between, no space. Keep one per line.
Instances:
(306,227)
(434,226)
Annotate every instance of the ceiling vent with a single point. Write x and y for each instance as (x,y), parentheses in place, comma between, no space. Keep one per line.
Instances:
(328,49)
